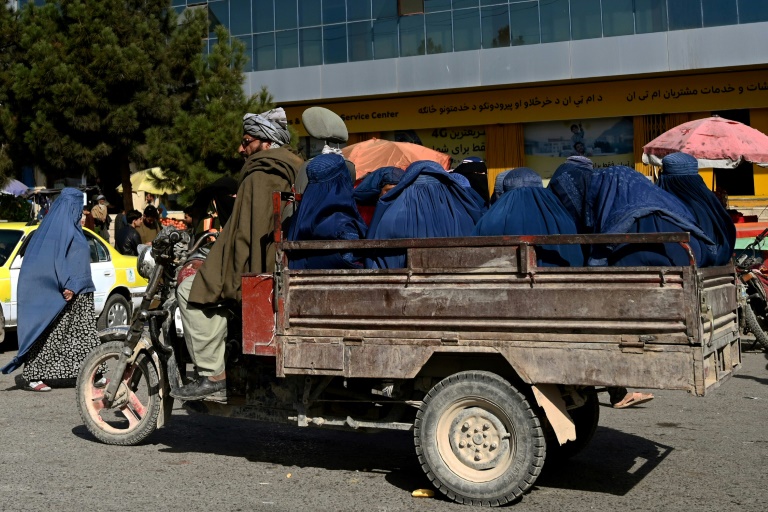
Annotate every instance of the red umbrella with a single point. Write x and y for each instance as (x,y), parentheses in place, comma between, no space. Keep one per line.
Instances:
(371,154)
(714,142)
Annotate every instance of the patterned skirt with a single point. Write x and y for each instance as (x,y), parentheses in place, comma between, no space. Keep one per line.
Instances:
(65,344)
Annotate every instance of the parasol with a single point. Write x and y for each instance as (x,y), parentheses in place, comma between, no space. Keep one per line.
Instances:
(15,188)
(373,154)
(713,141)
(146,181)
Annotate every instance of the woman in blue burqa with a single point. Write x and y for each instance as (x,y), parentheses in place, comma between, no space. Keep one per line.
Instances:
(57,321)
(527,208)
(621,200)
(427,203)
(680,177)
(327,211)
(570,183)
(374,185)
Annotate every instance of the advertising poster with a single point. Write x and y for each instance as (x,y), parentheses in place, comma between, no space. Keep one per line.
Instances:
(606,142)
(458,143)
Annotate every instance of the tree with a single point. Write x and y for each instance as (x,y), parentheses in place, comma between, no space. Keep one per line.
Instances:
(200,146)
(94,76)
(9,40)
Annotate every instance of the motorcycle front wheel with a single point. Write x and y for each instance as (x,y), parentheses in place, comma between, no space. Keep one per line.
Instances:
(134,412)
(754,325)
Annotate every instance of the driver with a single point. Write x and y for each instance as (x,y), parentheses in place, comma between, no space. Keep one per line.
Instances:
(245,246)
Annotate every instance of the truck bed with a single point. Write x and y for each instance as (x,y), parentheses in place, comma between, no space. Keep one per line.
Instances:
(639,327)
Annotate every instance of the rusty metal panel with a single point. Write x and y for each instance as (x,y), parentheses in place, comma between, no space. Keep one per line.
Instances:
(312,354)
(258,315)
(504,258)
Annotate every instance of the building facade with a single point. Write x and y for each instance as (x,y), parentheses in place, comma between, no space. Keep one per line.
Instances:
(516,82)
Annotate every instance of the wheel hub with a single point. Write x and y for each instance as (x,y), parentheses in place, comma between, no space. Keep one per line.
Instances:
(478,439)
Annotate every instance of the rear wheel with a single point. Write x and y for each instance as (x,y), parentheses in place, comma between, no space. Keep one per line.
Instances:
(755,326)
(133,414)
(478,439)
(117,311)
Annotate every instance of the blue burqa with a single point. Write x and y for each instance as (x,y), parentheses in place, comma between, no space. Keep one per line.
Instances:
(570,183)
(57,258)
(498,186)
(427,203)
(464,182)
(680,177)
(621,200)
(369,189)
(527,208)
(327,211)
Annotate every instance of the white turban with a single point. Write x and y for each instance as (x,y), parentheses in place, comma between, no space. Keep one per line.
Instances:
(270,125)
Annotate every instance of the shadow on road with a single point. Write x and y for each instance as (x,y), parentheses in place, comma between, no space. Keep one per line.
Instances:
(613,463)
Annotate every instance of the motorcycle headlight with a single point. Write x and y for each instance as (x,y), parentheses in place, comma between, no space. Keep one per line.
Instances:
(146,263)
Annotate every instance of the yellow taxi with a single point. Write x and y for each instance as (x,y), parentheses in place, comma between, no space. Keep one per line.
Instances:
(119,287)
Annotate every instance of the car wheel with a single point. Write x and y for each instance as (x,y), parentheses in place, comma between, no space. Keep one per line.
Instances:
(117,311)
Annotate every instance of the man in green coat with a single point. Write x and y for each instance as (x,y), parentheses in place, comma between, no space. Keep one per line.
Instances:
(244,246)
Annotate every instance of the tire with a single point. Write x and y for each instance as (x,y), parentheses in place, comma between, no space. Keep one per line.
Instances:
(131,418)
(753,324)
(586,419)
(480,411)
(117,311)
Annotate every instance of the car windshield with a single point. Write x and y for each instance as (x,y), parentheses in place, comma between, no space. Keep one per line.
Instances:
(8,240)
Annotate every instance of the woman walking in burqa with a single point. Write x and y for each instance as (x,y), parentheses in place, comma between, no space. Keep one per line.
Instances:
(57,321)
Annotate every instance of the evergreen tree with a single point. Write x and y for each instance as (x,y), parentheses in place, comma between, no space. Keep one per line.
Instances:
(94,75)
(201,144)
(9,38)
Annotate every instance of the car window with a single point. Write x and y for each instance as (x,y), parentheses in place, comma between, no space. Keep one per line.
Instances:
(8,240)
(26,244)
(97,249)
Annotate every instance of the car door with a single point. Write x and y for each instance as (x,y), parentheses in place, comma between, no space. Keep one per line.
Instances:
(102,271)
(14,269)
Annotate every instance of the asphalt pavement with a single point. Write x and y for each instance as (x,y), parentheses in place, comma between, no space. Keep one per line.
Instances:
(676,452)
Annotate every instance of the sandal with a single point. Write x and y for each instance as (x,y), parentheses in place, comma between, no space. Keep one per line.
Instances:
(633,399)
(38,385)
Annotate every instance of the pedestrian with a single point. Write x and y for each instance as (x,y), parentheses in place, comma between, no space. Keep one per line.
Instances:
(149,227)
(101,218)
(56,320)
(127,240)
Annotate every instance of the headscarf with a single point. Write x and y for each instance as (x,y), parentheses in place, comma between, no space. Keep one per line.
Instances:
(527,208)
(498,186)
(327,211)
(271,125)
(369,189)
(477,174)
(57,258)
(680,177)
(621,200)
(427,203)
(570,183)
(581,161)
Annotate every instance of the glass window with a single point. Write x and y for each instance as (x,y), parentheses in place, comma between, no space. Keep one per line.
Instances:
(461,4)
(466,30)
(618,18)
(586,21)
(97,249)
(684,14)
(751,11)
(247,51)
(264,51)
(240,17)
(8,241)
(524,27)
(412,35)
(309,13)
(263,15)
(360,37)
(384,9)
(334,11)
(650,16)
(719,12)
(335,44)
(310,46)
(286,15)
(495,26)
(555,22)
(173,3)
(359,10)
(287,43)
(484,3)
(218,14)
(437,5)
(439,38)
(385,39)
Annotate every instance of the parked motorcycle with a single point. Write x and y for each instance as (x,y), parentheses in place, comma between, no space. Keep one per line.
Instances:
(749,268)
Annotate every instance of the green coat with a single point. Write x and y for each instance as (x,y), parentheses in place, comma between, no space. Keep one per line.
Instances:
(246,244)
